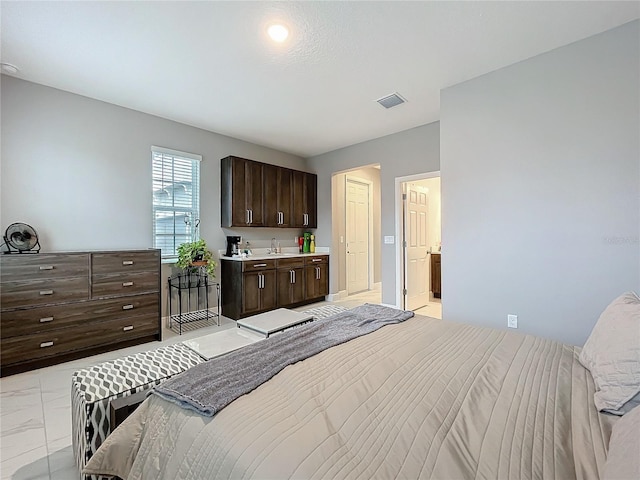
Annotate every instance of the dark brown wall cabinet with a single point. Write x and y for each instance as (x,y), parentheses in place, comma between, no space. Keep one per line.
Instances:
(255,194)
(251,287)
(61,306)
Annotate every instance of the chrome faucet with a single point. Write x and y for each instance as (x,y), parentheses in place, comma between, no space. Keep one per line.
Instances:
(274,248)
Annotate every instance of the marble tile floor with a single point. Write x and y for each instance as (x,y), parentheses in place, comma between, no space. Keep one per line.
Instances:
(35,407)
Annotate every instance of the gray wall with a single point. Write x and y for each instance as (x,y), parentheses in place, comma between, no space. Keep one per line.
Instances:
(79,170)
(406,153)
(541,188)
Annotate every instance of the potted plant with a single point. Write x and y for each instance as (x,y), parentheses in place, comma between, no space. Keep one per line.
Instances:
(192,255)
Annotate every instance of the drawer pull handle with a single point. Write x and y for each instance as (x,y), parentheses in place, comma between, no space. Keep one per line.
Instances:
(316,260)
(127,328)
(127,307)
(258,265)
(46,267)
(46,292)
(46,319)
(127,284)
(46,344)
(127,262)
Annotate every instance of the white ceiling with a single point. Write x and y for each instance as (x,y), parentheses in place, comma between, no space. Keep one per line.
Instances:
(210,65)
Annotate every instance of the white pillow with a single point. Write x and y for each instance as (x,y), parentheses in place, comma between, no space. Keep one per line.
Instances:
(612,355)
(623,459)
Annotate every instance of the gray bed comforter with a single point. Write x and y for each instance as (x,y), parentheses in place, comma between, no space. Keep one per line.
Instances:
(423,398)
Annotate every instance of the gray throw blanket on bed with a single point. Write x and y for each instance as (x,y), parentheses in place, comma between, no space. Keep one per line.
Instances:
(210,386)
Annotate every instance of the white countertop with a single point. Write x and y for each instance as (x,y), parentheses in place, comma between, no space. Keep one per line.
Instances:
(271,256)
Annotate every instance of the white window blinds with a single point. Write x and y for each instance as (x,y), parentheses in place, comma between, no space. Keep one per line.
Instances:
(176,199)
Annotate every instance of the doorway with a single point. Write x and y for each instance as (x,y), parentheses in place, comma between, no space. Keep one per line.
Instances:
(418,228)
(358,236)
(416,244)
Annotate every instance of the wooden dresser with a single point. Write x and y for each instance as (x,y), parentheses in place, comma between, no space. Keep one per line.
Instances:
(57,307)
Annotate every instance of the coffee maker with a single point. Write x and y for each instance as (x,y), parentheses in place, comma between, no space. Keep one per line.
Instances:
(233,245)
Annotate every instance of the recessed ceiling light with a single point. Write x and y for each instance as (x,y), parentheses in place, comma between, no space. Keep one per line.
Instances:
(9,68)
(278,33)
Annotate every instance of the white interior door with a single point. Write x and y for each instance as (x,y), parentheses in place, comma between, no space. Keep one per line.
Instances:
(416,211)
(357,230)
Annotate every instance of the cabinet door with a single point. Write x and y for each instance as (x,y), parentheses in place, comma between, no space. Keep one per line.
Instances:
(270,199)
(268,297)
(254,192)
(316,281)
(284,196)
(277,196)
(239,207)
(311,199)
(297,287)
(251,290)
(298,200)
(304,192)
(284,278)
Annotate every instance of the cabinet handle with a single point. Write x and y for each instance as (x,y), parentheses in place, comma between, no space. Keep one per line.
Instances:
(316,259)
(317,273)
(290,276)
(127,328)
(294,275)
(46,344)
(46,319)
(247,216)
(127,307)
(260,280)
(306,219)
(258,265)
(127,262)
(46,267)
(127,284)
(46,292)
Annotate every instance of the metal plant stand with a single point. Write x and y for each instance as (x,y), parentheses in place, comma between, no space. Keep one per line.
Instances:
(192,298)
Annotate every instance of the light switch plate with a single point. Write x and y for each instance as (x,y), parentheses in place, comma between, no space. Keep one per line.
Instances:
(389,239)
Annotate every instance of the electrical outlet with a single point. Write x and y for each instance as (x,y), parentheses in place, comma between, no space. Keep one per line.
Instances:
(512,321)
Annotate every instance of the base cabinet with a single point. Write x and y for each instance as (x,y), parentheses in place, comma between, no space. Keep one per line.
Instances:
(61,306)
(436,287)
(256,286)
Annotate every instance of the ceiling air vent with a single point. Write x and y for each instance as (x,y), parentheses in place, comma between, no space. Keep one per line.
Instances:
(391,100)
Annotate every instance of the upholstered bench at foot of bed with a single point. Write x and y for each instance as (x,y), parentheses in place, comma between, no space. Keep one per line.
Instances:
(324,311)
(94,388)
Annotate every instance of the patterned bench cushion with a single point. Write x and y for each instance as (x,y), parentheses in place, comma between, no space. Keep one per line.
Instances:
(93,389)
(324,311)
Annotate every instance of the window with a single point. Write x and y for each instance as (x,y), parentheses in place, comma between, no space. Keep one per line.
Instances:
(176,199)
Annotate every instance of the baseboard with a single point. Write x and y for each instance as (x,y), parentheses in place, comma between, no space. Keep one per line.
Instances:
(376,286)
(334,297)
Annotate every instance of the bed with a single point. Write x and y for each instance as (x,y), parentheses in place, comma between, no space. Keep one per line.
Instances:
(423,398)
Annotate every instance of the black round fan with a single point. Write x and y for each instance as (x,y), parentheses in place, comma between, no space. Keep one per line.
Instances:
(21,238)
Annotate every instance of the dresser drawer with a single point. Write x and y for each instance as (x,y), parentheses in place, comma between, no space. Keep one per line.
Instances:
(81,337)
(25,293)
(43,266)
(51,317)
(107,284)
(125,262)
(126,306)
